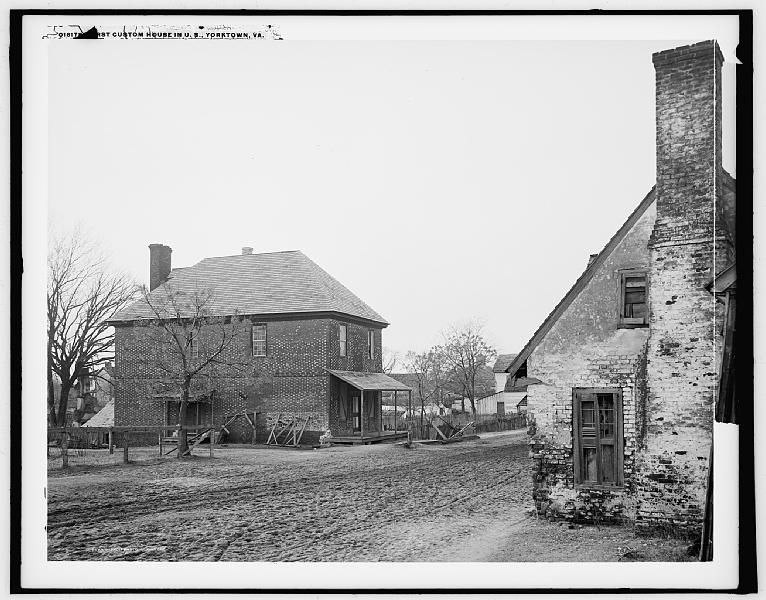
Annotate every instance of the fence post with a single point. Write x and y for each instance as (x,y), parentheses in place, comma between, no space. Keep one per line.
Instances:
(64,453)
(111,442)
(125,447)
(212,441)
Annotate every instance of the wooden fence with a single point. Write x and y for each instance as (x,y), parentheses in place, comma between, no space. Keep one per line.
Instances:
(481,424)
(103,445)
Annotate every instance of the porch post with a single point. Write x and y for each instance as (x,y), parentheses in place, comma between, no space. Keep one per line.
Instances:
(380,412)
(395,411)
(361,413)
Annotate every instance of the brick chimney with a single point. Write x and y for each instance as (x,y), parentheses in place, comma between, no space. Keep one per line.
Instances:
(159,264)
(688,237)
(688,120)
(246,250)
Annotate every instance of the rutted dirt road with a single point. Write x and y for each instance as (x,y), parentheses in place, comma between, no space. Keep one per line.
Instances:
(459,502)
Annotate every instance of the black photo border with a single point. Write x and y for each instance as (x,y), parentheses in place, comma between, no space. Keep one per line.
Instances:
(744,349)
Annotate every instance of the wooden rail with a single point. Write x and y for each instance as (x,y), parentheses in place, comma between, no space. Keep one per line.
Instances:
(66,432)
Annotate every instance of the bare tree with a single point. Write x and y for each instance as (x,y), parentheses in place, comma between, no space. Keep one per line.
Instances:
(428,372)
(190,343)
(82,295)
(390,360)
(466,354)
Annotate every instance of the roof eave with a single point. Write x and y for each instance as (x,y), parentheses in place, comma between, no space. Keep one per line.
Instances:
(272,317)
(581,282)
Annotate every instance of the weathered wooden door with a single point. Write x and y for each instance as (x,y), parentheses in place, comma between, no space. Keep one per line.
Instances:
(356,410)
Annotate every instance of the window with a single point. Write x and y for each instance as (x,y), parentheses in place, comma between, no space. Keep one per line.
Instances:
(633,305)
(597,417)
(370,343)
(501,409)
(342,333)
(259,339)
(193,349)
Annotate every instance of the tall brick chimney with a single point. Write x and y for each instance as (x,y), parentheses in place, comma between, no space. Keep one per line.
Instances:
(689,236)
(159,264)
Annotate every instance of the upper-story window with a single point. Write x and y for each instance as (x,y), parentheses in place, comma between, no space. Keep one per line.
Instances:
(194,349)
(370,343)
(634,309)
(259,339)
(342,336)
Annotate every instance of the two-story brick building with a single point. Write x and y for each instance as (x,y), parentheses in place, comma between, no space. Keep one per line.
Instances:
(305,346)
(628,361)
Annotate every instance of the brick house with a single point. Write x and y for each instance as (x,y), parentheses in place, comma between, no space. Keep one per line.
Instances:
(307,347)
(624,370)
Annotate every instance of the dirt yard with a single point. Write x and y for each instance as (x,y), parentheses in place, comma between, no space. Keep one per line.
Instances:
(461,502)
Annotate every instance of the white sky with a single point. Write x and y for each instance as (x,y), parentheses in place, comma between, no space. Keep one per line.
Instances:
(438,180)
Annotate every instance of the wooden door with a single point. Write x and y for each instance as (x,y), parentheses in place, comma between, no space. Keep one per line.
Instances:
(356,410)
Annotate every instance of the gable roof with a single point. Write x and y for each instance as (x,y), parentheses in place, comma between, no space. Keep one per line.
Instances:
(270,283)
(103,418)
(502,362)
(581,282)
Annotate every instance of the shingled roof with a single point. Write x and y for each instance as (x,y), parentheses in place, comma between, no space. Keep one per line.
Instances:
(502,362)
(271,283)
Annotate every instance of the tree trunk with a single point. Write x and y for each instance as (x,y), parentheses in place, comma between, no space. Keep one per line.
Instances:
(51,402)
(183,442)
(473,406)
(66,387)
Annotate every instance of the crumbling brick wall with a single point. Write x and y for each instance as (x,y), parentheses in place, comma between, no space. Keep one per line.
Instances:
(689,243)
(587,348)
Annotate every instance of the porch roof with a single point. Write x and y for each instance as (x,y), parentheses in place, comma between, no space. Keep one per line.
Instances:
(370,381)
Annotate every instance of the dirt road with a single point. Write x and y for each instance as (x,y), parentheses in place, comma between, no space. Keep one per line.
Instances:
(461,502)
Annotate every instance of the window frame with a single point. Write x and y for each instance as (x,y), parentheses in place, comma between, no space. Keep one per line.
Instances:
(265,339)
(633,321)
(619,440)
(194,348)
(370,344)
(343,340)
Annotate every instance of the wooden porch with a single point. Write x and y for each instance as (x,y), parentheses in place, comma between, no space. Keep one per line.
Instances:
(360,399)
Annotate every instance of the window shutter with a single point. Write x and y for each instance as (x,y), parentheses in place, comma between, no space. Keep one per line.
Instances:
(342,404)
(597,428)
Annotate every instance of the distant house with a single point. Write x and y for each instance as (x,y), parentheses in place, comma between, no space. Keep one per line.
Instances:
(87,396)
(500,370)
(503,400)
(312,347)
(101,385)
(487,402)
(622,375)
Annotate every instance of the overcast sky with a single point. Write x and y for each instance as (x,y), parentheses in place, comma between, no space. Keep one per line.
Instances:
(439,181)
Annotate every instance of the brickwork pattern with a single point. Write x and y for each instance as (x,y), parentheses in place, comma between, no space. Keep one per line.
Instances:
(587,348)
(681,364)
(290,380)
(551,448)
